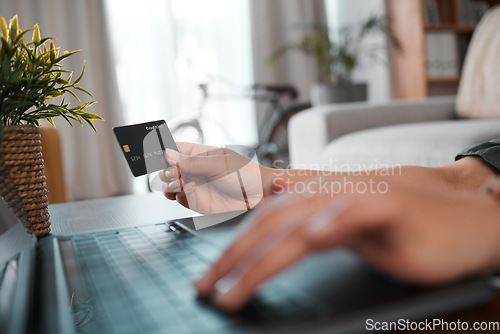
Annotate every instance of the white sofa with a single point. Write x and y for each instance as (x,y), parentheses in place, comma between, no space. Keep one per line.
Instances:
(427,132)
(420,132)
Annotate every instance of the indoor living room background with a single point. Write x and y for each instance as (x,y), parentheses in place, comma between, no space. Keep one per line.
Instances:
(145,61)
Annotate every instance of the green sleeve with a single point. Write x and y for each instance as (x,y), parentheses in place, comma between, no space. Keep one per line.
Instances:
(489,152)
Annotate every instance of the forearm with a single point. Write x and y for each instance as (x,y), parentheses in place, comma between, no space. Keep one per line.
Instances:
(467,174)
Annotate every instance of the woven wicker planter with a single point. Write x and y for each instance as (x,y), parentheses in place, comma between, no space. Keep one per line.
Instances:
(23,181)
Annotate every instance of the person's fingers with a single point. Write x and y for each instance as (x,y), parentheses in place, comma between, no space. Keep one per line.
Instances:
(348,216)
(323,225)
(194,149)
(187,148)
(170,196)
(182,199)
(273,255)
(244,268)
(208,165)
(169,174)
(260,224)
(174,186)
(207,162)
(167,193)
(172,156)
(187,197)
(279,185)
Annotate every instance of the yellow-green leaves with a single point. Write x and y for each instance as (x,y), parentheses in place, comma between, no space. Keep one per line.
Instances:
(36,35)
(82,90)
(49,119)
(77,81)
(52,53)
(13,28)
(32,76)
(3,25)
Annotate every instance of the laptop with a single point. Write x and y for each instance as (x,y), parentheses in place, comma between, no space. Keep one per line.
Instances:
(139,280)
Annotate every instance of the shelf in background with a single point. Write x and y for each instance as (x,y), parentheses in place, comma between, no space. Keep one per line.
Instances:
(466,29)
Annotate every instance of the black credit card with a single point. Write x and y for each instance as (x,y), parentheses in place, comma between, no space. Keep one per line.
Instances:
(143,146)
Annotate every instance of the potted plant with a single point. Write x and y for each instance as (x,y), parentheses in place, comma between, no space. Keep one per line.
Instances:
(337,53)
(31,77)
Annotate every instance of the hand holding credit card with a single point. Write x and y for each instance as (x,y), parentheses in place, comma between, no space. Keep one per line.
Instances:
(209,179)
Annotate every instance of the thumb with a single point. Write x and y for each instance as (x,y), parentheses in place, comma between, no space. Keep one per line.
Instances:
(204,165)
(193,148)
(172,156)
(214,163)
(187,148)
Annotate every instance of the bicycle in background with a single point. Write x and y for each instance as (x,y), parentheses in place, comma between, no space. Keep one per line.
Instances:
(280,104)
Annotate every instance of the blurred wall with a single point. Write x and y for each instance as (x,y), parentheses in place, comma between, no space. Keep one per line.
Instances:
(377,75)
(274,24)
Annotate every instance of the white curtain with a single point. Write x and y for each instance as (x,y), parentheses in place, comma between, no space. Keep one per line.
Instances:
(93,163)
(164,49)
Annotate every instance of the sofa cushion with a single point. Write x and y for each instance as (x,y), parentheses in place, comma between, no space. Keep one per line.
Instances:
(422,144)
(478,95)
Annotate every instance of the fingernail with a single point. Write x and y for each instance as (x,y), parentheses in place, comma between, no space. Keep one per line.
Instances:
(169,173)
(227,295)
(224,285)
(172,154)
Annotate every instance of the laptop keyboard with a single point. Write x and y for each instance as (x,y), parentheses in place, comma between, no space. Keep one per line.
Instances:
(2,271)
(8,279)
(140,280)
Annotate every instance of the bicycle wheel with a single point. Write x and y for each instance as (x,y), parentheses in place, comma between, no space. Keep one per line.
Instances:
(274,151)
(189,132)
